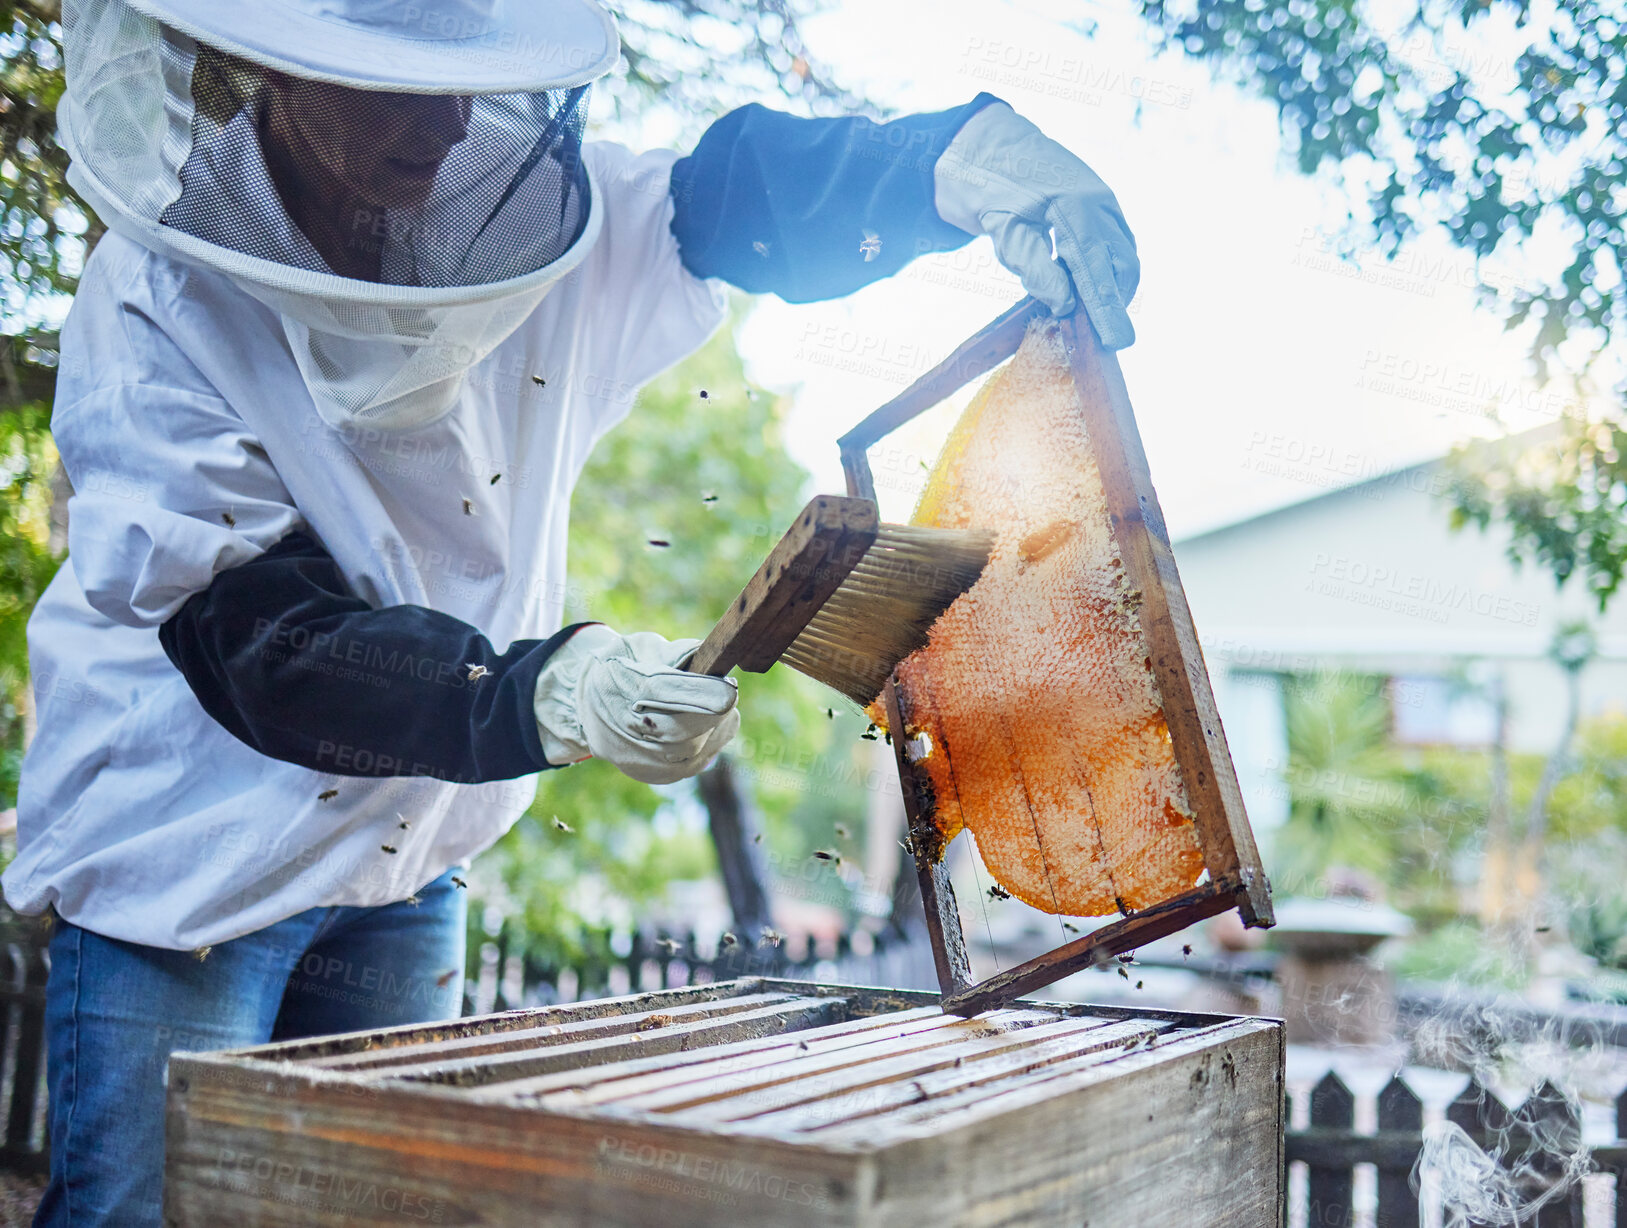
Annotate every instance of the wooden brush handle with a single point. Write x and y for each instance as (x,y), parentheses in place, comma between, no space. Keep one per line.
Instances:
(799,575)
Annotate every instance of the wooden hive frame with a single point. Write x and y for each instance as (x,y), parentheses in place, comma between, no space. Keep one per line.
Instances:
(1234,876)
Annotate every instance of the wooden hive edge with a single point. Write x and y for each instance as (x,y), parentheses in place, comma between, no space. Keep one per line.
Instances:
(1017,1159)
(1224,835)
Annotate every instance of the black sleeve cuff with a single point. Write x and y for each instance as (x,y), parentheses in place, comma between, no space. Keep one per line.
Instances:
(813,208)
(291,662)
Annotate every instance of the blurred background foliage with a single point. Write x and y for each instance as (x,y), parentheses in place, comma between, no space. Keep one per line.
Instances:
(27,561)
(1416,822)
(698,465)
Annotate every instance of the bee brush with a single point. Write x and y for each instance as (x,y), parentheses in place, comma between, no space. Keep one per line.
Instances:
(844,598)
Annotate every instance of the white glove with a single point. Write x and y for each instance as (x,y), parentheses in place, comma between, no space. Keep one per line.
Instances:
(1003,177)
(623,698)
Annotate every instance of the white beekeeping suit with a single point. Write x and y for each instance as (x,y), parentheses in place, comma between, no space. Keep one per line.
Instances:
(409,368)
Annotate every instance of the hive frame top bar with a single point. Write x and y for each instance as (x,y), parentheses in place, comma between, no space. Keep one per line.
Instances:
(1233,875)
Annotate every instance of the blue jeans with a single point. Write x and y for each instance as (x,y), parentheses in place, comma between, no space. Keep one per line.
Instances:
(115,1011)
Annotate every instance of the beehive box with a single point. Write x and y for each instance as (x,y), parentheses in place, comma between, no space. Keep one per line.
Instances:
(755,1101)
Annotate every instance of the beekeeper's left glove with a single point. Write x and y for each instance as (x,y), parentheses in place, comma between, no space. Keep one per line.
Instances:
(623,698)
(1001,176)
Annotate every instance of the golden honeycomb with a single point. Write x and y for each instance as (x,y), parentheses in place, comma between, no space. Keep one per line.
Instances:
(1035,700)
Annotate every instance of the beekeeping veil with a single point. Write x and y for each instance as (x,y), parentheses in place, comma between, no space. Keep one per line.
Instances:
(401,182)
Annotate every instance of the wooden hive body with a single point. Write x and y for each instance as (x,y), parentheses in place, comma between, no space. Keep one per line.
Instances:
(744,1102)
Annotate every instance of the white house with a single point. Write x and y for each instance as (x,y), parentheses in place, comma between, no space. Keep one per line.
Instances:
(1371,578)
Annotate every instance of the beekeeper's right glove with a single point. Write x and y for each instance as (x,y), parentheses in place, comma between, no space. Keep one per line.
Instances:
(624,699)
(1001,176)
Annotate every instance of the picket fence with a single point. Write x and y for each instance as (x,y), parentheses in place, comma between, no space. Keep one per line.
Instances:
(1546,1179)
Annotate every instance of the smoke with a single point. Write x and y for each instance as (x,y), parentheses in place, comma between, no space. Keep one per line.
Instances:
(1523,1159)
(1498,1188)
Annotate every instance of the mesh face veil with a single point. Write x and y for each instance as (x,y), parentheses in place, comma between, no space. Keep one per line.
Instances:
(400,233)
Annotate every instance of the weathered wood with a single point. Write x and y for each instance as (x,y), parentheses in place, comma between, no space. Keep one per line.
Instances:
(949,958)
(1042,1053)
(768,1020)
(1224,834)
(823,544)
(506,1021)
(642,1077)
(1399,1110)
(804,1084)
(1094,948)
(554,1035)
(1082,1113)
(1330,1197)
(1182,1133)
(979,354)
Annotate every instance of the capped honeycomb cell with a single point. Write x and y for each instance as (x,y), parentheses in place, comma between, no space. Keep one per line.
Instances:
(1044,731)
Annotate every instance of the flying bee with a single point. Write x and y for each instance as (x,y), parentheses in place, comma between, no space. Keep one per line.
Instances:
(772,937)
(830,714)
(458,882)
(413,900)
(827,855)
(758,838)
(202,953)
(390,849)
(539,381)
(1186,950)
(704,395)
(561,825)
(468,506)
(476,672)
(231,521)
(708,498)
(327,795)
(403,824)
(997,892)
(495,478)
(842,832)
(445,978)
(660,543)
(1070,927)
(669,945)
(1129,957)
(1123,973)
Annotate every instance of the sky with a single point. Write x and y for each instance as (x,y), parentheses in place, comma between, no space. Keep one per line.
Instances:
(1267,367)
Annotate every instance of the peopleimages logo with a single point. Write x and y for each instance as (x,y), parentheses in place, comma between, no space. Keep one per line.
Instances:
(637,1161)
(1390,588)
(319,1188)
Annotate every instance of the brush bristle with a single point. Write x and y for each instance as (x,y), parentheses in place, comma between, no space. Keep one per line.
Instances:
(887,605)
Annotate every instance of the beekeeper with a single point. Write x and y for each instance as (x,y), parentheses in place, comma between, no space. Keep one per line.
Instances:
(365,304)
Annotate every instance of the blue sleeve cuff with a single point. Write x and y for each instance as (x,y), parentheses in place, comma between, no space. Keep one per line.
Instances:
(813,209)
